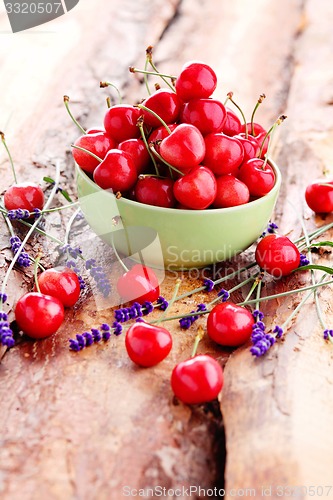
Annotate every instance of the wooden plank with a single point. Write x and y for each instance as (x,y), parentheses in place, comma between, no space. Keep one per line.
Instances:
(91,424)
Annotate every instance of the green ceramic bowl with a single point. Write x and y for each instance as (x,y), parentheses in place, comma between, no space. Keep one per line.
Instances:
(172,238)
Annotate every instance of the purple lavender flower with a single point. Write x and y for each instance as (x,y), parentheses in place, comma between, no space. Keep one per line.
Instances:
(278,331)
(6,333)
(304,261)
(17,214)
(23,259)
(3,298)
(327,334)
(258,315)
(147,307)
(73,252)
(186,323)
(98,274)
(37,213)
(272,227)
(72,265)
(163,303)
(224,294)
(95,335)
(136,310)
(208,284)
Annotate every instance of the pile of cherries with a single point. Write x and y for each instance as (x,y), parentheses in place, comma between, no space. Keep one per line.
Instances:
(179,148)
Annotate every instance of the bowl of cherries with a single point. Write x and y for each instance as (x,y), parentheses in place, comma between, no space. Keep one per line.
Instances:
(178,176)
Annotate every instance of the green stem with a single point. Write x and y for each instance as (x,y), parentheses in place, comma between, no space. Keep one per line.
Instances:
(88,152)
(143,135)
(199,336)
(118,256)
(258,294)
(165,162)
(66,101)
(236,287)
(145,76)
(2,135)
(154,73)
(142,106)
(173,299)
(161,75)
(285,294)
(272,132)
(31,230)
(50,210)
(109,84)
(260,100)
(230,95)
(253,287)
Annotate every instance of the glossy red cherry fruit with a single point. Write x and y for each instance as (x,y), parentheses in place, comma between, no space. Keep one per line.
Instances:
(250,145)
(160,133)
(232,125)
(117,171)
(138,151)
(197,189)
(224,154)
(258,176)
(155,191)
(165,103)
(120,122)
(277,255)
(257,129)
(319,196)
(197,80)
(184,148)
(208,115)
(147,345)
(39,315)
(98,143)
(62,283)
(229,324)
(139,284)
(197,380)
(230,192)
(25,195)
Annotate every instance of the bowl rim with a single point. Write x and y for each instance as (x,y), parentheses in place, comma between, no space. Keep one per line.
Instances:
(125,201)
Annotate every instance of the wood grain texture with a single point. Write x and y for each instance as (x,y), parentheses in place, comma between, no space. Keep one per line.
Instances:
(83,426)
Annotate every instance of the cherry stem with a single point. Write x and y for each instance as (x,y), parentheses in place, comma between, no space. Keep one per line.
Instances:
(108,102)
(33,227)
(171,302)
(151,146)
(230,95)
(2,135)
(199,336)
(258,294)
(253,287)
(149,55)
(103,85)
(260,100)
(35,272)
(141,106)
(145,76)
(154,73)
(88,152)
(272,132)
(326,184)
(143,135)
(118,256)
(66,102)
(284,294)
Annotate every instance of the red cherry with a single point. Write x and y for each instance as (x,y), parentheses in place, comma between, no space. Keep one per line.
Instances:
(224,154)
(98,143)
(159,134)
(155,191)
(208,115)
(196,80)
(39,315)
(229,324)
(259,180)
(138,284)
(277,255)
(138,151)
(250,145)
(184,148)
(257,128)
(62,283)
(232,125)
(117,171)
(231,192)
(25,195)
(95,130)
(197,380)
(120,122)
(260,138)
(147,345)
(165,103)
(319,196)
(197,189)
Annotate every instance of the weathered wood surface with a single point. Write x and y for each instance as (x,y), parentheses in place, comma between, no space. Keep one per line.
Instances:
(83,426)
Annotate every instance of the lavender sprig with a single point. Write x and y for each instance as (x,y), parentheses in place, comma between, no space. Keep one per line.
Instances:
(208,284)
(99,275)
(23,259)
(6,333)
(304,261)
(95,335)
(186,323)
